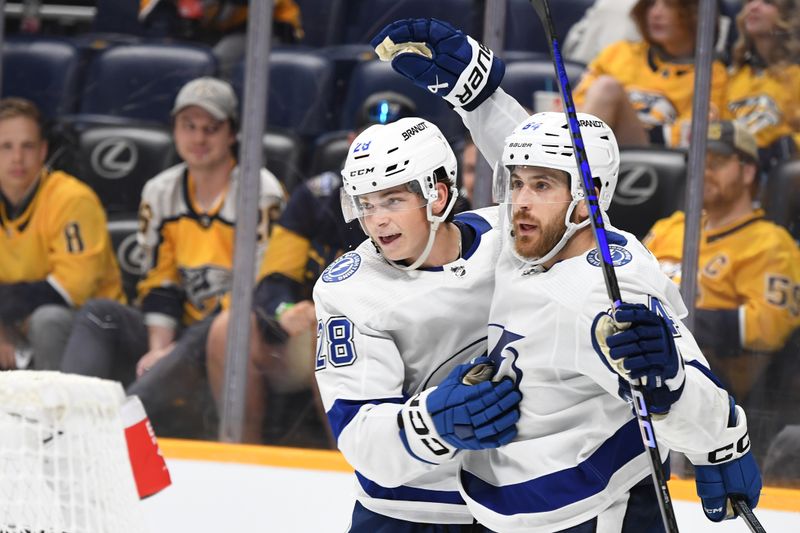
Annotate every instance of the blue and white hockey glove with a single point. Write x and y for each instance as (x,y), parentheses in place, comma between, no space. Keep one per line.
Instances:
(637,345)
(728,472)
(465,411)
(441,59)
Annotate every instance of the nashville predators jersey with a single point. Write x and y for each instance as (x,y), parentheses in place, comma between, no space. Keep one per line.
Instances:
(660,91)
(189,251)
(750,265)
(766,101)
(61,236)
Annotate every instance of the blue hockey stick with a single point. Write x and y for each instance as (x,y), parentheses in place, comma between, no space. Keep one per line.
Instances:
(542,8)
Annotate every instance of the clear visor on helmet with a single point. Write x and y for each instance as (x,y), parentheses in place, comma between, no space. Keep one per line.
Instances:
(517,184)
(404,197)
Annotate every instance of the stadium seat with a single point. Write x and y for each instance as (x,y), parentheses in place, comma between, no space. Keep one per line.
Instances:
(524,77)
(45,71)
(524,31)
(140,81)
(782,197)
(128,252)
(330,151)
(365,18)
(373,76)
(282,154)
(728,11)
(117,16)
(116,161)
(321,21)
(651,186)
(301,91)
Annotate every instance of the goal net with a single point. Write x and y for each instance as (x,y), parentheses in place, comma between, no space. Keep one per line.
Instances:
(64,464)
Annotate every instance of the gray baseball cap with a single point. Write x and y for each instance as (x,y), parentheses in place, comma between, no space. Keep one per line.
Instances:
(727,137)
(212,94)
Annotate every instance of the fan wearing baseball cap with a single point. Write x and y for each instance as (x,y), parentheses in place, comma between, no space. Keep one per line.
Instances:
(309,235)
(187,217)
(746,264)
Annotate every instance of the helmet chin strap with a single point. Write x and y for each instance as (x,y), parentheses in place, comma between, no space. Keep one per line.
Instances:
(435,222)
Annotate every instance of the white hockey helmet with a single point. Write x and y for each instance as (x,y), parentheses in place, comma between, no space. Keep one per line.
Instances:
(543,140)
(410,151)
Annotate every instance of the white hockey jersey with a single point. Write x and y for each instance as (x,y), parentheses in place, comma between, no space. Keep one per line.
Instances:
(578,448)
(385,334)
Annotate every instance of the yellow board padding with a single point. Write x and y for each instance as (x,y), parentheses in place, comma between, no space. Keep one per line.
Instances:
(254,454)
(775,498)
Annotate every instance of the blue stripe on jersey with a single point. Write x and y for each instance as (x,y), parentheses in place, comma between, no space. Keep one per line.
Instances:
(562,488)
(343,411)
(706,372)
(409,494)
(479,224)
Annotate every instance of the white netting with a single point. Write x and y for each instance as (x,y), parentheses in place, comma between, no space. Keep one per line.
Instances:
(64,464)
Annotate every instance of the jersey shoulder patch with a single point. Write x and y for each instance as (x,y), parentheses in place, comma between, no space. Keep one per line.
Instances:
(619,256)
(343,268)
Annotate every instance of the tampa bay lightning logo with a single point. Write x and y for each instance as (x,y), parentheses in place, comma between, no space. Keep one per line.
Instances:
(619,256)
(342,268)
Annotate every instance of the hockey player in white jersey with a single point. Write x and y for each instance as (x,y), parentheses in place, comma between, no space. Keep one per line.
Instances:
(577,463)
(400,319)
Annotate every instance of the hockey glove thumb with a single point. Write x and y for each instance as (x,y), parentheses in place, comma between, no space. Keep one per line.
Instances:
(457,415)
(637,345)
(728,472)
(441,59)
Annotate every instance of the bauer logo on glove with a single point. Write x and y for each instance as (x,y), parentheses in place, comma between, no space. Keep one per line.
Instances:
(441,59)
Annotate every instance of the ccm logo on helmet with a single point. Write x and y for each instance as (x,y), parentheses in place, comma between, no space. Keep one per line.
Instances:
(591,123)
(520,145)
(478,74)
(725,453)
(362,172)
(413,130)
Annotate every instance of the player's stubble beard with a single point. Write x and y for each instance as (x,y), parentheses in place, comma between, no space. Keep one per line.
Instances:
(550,234)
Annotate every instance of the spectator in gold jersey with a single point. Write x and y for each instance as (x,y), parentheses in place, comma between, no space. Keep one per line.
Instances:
(55,251)
(748,300)
(644,89)
(764,89)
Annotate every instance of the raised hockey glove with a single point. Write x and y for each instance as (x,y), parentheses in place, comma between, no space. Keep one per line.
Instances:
(441,59)
(637,344)
(728,472)
(465,411)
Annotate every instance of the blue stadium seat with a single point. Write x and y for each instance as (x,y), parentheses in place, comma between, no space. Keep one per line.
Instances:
(523,78)
(651,186)
(282,155)
(301,92)
(330,151)
(130,256)
(116,161)
(728,11)
(140,81)
(372,76)
(45,71)
(366,17)
(524,31)
(782,197)
(321,19)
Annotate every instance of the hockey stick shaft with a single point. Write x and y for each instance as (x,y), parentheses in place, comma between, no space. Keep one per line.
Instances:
(747,515)
(542,8)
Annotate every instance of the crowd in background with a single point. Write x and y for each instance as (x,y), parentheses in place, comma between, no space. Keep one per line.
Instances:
(62,300)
